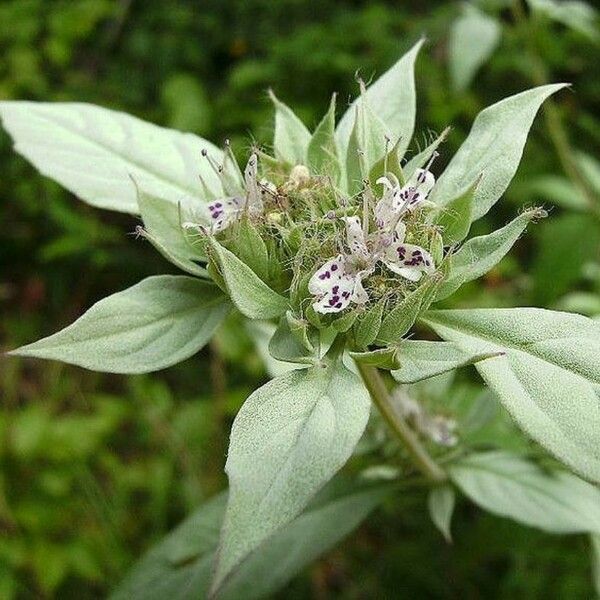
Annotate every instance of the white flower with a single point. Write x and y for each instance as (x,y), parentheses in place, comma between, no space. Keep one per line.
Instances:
(338,282)
(222,212)
(397,200)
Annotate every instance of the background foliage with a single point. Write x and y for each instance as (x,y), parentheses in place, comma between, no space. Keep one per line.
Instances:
(95,468)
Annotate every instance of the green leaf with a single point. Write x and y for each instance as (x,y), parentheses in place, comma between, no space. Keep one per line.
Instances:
(366,145)
(422,158)
(288,439)
(163,230)
(595,541)
(565,244)
(95,153)
(441,501)
(579,16)
(250,248)
(509,486)
(548,378)
(180,566)
(402,317)
(456,216)
(382,358)
(393,98)
(261,333)
(493,149)
(155,324)
(286,346)
(480,254)
(323,152)
(367,328)
(250,294)
(473,38)
(388,163)
(291,135)
(421,359)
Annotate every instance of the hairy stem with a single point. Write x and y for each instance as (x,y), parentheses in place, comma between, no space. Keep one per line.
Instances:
(381,397)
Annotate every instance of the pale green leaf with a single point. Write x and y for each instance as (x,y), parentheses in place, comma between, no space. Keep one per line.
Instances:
(155,324)
(473,38)
(402,317)
(180,566)
(512,487)
(422,158)
(393,98)
(579,16)
(480,254)
(250,294)
(441,501)
(382,358)
(95,152)
(261,333)
(291,135)
(288,439)
(492,150)
(422,359)
(548,377)
(595,541)
(323,152)
(455,217)
(162,227)
(367,327)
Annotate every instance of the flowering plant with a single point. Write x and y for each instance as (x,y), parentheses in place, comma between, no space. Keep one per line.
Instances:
(339,242)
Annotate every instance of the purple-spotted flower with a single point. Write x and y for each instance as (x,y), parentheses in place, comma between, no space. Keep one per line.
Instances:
(224,211)
(339,282)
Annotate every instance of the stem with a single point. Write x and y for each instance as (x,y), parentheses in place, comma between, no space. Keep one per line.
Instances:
(554,124)
(381,397)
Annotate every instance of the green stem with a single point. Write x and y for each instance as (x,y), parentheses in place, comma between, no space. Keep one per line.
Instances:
(381,397)
(552,117)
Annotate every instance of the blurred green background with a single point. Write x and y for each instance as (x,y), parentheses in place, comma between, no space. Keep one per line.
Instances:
(96,468)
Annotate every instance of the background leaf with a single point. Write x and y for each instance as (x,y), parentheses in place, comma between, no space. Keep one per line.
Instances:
(512,487)
(473,38)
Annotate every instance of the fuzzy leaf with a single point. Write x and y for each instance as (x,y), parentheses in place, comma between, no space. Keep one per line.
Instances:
(480,254)
(441,503)
(163,229)
(382,358)
(288,439)
(473,38)
(95,152)
(250,248)
(367,328)
(250,294)
(286,346)
(393,98)
(402,317)
(155,324)
(323,152)
(422,158)
(509,486)
(366,145)
(291,135)
(548,377)
(456,216)
(421,359)
(180,566)
(493,149)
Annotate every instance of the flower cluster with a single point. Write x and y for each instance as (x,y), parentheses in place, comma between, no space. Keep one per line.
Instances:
(339,282)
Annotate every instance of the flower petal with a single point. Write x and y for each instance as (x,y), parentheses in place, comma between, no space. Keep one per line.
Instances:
(408,261)
(332,272)
(355,237)
(254,195)
(223,212)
